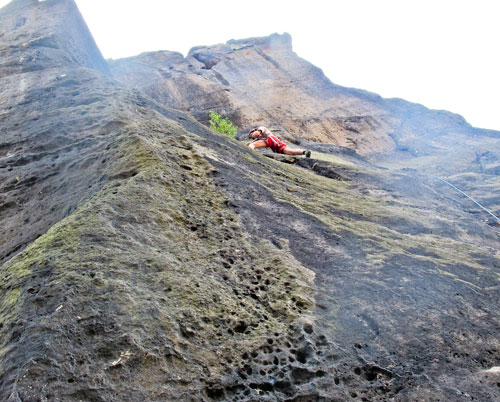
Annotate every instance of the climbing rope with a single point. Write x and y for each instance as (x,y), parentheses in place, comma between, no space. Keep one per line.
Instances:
(469,197)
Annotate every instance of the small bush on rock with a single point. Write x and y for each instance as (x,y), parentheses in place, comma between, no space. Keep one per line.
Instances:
(221,125)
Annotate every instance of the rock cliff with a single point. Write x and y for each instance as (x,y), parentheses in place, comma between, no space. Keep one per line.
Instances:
(146,257)
(262,81)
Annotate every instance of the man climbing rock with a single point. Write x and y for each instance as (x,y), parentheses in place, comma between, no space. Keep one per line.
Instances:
(263,138)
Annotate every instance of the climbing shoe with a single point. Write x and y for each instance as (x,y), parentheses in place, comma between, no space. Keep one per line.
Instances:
(307,154)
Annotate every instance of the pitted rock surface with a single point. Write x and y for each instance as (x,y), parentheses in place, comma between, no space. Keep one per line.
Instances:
(147,257)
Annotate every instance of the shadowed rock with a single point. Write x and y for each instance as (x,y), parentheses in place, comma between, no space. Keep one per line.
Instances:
(146,257)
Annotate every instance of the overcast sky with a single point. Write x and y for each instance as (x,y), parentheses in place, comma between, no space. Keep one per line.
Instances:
(443,54)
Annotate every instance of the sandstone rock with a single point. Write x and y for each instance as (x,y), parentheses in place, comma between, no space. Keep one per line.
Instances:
(262,81)
(146,257)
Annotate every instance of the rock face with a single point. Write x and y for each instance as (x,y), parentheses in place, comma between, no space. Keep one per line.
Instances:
(54,86)
(262,81)
(146,257)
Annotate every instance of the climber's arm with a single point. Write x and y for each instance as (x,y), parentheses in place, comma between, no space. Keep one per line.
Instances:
(257,144)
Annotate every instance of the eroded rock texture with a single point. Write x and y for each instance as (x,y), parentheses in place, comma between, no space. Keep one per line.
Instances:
(262,81)
(146,257)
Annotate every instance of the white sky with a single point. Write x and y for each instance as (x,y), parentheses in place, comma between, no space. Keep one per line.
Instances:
(443,54)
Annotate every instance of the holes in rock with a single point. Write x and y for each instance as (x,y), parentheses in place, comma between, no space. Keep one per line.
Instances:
(301,375)
(371,376)
(308,328)
(266,349)
(266,387)
(336,381)
(215,393)
(321,341)
(303,354)
(241,327)
(284,386)
(373,373)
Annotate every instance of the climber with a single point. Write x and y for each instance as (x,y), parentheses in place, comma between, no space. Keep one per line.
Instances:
(262,138)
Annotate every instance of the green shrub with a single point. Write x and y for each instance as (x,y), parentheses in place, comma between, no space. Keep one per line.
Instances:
(221,125)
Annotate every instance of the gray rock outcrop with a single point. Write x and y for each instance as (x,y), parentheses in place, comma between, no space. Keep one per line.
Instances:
(147,257)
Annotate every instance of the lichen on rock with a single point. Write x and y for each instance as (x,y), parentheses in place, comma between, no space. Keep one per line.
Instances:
(146,257)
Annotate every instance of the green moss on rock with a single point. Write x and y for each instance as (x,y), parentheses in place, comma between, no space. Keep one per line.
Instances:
(153,276)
